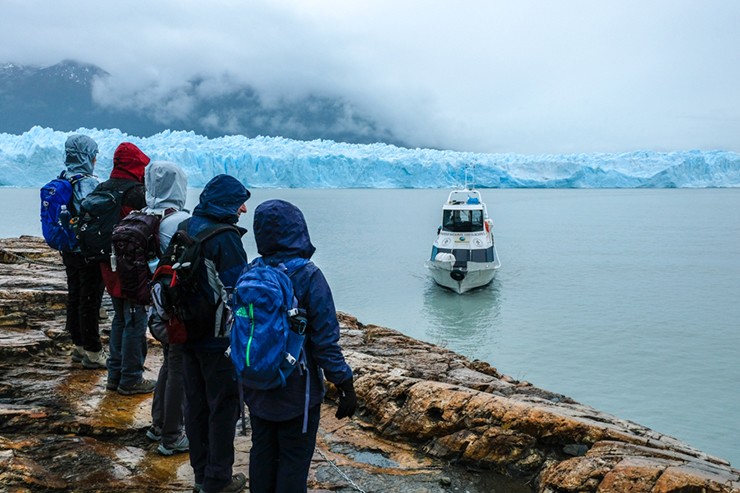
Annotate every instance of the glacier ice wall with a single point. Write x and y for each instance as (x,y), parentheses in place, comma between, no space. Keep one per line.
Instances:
(31,159)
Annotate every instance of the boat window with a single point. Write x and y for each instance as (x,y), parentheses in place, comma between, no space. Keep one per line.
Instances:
(463,220)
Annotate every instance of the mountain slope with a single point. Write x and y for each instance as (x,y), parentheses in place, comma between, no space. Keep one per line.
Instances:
(61,97)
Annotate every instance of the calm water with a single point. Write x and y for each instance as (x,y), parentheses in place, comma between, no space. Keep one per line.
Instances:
(626,300)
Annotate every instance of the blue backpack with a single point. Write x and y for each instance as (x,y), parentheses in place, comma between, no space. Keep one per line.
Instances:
(268,332)
(58,216)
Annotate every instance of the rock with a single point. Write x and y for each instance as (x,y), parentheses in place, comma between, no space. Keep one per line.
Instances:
(429,419)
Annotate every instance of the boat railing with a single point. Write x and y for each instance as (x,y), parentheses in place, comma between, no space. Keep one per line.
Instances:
(466,196)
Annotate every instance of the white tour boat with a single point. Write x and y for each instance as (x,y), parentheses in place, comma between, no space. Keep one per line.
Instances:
(464,254)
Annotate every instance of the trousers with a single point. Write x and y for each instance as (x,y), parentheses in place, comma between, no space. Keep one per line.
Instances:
(84,295)
(281,453)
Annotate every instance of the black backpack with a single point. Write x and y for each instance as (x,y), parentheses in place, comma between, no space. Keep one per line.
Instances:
(201,308)
(99,213)
(135,244)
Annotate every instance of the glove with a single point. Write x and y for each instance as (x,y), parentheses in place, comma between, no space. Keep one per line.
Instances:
(347,399)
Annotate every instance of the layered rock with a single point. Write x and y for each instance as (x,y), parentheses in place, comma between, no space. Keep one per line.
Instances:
(430,420)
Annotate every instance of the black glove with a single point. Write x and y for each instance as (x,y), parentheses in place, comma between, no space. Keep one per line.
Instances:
(347,399)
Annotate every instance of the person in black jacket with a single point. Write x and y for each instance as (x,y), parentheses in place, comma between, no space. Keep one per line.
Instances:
(281,451)
(212,394)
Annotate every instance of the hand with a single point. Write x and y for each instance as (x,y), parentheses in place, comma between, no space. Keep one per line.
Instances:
(347,399)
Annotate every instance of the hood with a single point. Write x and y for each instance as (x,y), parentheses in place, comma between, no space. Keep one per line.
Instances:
(221,198)
(280,231)
(80,151)
(129,162)
(166,186)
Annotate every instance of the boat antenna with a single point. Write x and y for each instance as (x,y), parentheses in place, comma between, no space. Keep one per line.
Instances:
(469,169)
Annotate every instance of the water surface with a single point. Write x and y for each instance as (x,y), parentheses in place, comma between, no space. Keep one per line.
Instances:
(625,300)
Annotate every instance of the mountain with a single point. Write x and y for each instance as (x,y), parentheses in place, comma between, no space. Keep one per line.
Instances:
(61,97)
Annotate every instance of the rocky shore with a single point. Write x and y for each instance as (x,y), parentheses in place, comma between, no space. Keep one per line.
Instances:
(429,420)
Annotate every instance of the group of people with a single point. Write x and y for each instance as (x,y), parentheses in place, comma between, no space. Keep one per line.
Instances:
(197,401)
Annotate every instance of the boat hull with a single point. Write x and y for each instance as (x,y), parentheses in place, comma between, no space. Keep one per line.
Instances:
(462,280)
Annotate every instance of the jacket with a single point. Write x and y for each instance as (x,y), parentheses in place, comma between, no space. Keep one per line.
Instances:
(219,202)
(80,152)
(129,163)
(166,188)
(281,233)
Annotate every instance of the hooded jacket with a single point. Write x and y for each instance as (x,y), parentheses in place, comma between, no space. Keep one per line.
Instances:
(80,152)
(129,163)
(281,233)
(219,202)
(166,188)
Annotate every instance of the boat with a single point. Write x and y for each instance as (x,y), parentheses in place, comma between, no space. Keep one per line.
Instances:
(464,253)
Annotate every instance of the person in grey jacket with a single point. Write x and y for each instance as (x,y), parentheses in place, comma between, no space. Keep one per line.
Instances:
(166,191)
(84,281)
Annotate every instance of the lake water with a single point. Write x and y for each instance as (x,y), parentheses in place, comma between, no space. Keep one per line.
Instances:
(625,300)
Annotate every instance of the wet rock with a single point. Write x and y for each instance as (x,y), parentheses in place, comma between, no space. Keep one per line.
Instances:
(429,419)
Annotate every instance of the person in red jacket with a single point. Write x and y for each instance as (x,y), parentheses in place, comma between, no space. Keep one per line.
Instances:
(127,343)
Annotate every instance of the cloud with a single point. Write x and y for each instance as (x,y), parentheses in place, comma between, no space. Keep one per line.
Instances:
(532,76)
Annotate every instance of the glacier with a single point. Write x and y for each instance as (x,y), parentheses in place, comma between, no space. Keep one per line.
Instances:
(34,157)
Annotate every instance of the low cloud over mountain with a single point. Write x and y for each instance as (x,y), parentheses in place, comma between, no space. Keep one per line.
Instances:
(70,95)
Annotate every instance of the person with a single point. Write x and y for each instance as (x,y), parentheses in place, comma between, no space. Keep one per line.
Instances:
(166,191)
(83,277)
(281,450)
(211,392)
(127,342)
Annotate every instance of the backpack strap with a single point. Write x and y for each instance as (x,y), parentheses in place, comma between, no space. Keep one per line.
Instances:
(72,181)
(208,232)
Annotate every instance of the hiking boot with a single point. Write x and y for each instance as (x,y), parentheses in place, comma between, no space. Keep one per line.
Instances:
(111,385)
(78,353)
(143,386)
(154,433)
(95,360)
(181,445)
(237,484)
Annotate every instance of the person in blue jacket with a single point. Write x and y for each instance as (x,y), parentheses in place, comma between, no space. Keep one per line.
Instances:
(281,451)
(212,394)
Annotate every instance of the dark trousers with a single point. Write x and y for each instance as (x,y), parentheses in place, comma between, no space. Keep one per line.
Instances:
(127,343)
(211,411)
(281,453)
(84,296)
(169,395)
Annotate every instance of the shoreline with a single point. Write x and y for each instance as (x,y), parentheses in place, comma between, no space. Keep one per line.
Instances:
(427,416)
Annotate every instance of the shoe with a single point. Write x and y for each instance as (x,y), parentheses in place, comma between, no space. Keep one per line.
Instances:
(110,385)
(143,386)
(181,445)
(77,354)
(94,360)
(154,433)
(238,482)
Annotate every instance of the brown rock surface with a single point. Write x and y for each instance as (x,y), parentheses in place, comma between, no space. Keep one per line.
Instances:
(430,420)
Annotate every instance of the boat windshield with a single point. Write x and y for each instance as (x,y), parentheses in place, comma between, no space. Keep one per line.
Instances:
(462,220)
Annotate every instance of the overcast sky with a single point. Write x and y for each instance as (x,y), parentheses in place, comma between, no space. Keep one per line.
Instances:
(526,76)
